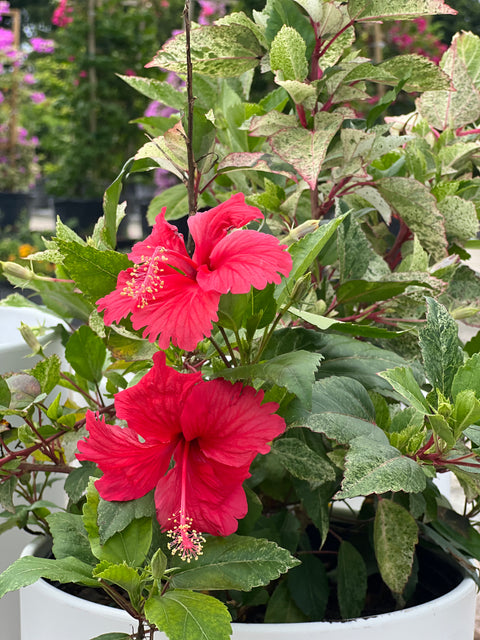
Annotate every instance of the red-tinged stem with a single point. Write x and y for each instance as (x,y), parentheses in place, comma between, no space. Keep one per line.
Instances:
(425,447)
(393,257)
(31,466)
(301,115)
(315,71)
(435,132)
(334,192)
(361,314)
(461,132)
(328,103)
(330,42)
(332,306)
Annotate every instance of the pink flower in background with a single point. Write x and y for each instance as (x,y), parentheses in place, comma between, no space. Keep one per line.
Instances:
(29,78)
(4,7)
(129,72)
(2,97)
(212,429)
(61,16)
(421,24)
(38,97)
(83,74)
(6,38)
(42,45)
(174,296)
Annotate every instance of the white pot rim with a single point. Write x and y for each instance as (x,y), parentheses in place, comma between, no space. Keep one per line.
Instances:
(462,590)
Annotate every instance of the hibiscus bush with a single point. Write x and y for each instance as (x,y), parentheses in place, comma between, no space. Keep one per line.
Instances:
(228,389)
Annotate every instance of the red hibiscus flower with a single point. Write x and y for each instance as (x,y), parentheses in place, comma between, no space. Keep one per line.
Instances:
(212,429)
(175,297)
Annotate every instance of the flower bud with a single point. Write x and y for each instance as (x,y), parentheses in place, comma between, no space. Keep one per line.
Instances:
(301,231)
(301,287)
(15,270)
(464,312)
(30,338)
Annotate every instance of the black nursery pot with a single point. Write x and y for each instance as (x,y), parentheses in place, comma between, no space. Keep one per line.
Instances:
(78,214)
(12,207)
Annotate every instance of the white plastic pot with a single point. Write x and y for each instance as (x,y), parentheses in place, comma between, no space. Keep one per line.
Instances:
(14,354)
(50,614)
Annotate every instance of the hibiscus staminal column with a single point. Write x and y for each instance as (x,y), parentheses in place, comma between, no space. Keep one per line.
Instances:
(185,540)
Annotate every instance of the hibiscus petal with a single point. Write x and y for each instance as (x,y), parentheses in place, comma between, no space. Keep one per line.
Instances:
(130,468)
(117,304)
(244,259)
(214,496)
(181,312)
(209,227)
(229,422)
(153,406)
(164,235)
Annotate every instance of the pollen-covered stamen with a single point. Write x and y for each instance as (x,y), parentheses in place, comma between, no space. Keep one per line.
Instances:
(185,540)
(146,278)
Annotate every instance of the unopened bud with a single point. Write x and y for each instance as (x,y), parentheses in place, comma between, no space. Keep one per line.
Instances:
(30,338)
(319,307)
(301,231)
(300,288)
(16,271)
(464,312)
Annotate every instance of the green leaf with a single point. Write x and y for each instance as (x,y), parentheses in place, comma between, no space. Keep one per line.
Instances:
(395,539)
(95,272)
(351,581)
(47,372)
(77,480)
(294,371)
(399,9)
(467,377)
(308,585)
(344,428)
(468,50)
(236,562)
(122,575)
(186,614)
(70,537)
(29,569)
(161,91)
(281,607)
(86,353)
(363,291)
(302,462)
(287,54)
(375,467)
(404,383)
(441,353)
(7,489)
(5,394)
(304,253)
(418,208)
(306,150)
(114,516)
(221,51)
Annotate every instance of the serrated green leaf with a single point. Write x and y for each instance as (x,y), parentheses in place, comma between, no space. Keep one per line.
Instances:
(363,291)
(288,54)
(403,381)
(294,371)
(236,562)
(395,539)
(344,428)
(302,462)
(47,372)
(351,581)
(7,489)
(123,576)
(70,537)
(185,614)
(114,516)
(77,480)
(468,49)
(95,272)
(5,393)
(219,50)
(438,341)
(86,353)
(29,569)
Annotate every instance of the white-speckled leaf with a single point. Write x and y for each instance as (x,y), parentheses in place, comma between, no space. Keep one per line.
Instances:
(460,216)
(300,92)
(305,149)
(418,208)
(399,9)
(221,51)
(468,48)
(287,54)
